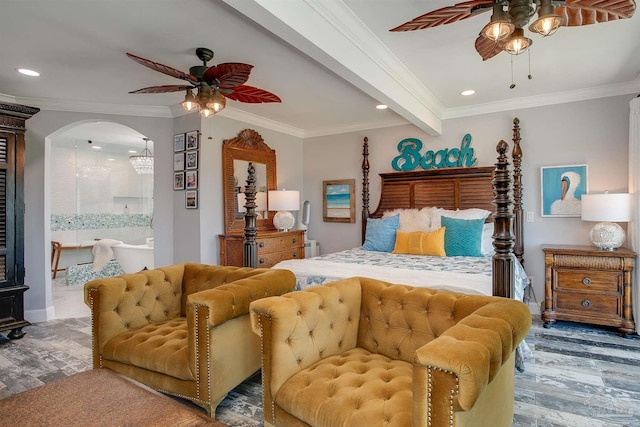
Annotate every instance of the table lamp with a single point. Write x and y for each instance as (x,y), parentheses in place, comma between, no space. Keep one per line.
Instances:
(283,202)
(607,209)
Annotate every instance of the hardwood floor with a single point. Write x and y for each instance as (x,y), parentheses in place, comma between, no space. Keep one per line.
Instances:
(578,376)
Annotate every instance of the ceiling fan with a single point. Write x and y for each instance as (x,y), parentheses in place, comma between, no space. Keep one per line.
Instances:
(504,32)
(212,84)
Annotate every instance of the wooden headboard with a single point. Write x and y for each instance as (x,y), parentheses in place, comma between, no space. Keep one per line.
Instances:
(493,188)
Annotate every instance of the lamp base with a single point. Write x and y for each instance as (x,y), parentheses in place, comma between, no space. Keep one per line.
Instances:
(283,220)
(607,235)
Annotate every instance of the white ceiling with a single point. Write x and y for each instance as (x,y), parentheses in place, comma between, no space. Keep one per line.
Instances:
(330,61)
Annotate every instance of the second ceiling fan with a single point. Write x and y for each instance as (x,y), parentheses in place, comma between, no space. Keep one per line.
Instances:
(505,30)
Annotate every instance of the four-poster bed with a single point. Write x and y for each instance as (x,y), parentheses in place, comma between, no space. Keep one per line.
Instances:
(491,189)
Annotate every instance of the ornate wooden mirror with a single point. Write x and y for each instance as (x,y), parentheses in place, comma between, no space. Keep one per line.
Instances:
(237,153)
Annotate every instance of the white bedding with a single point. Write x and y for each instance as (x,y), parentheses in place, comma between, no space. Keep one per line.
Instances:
(470,275)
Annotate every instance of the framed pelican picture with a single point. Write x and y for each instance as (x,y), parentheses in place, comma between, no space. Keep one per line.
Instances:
(562,190)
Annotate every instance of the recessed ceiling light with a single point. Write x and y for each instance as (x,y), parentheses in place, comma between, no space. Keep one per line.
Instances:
(28,72)
(468,92)
(381,107)
(111,159)
(132,151)
(96,147)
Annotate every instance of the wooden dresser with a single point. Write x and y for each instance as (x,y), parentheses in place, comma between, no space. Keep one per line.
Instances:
(273,247)
(589,285)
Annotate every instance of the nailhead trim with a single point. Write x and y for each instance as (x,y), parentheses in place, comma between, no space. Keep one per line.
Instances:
(452,393)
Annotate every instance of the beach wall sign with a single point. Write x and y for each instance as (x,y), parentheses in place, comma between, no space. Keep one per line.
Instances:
(410,157)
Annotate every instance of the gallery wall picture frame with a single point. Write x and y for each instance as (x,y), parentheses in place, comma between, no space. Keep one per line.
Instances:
(562,188)
(191,179)
(178,142)
(191,199)
(339,200)
(191,159)
(192,140)
(178,180)
(178,162)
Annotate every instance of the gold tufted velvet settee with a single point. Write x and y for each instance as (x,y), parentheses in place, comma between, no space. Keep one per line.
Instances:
(362,352)
(182,329)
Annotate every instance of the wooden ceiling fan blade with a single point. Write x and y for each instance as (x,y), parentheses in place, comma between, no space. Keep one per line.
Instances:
(446,15)
(163,89)
(252,95)
(229,74)
(164,69)
(488,48)
(587,12)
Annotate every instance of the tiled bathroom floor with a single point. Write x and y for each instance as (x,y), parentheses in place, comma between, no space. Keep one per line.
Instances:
(68,300)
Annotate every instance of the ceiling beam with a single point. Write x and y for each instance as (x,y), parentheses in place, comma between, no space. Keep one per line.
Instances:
(331,34)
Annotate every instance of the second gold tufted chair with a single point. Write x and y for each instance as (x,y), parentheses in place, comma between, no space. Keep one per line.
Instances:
(362,352)
(182,329)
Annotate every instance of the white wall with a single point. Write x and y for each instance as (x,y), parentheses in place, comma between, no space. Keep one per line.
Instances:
(592,132)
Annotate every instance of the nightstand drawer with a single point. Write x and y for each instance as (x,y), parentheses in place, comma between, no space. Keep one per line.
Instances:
(585,280)
(589,304)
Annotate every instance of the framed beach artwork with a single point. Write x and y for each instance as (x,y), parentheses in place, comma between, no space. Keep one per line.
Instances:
(339,200)
(562,188)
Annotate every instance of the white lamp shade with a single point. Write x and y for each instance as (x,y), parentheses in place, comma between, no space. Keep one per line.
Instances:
(284,200)
(607,207)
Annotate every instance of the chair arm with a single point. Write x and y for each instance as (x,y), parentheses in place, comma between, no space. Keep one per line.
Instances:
(300,328)
(476,348)
(231,300)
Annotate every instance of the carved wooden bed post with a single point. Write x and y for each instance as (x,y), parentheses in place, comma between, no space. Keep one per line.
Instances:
(503,239)
(518,224)
(365,186)
(250,230)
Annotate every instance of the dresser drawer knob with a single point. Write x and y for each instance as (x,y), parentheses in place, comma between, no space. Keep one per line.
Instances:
(295,255)
(295,240)
(261,245)
(261,260)
(586,281)
(586,303)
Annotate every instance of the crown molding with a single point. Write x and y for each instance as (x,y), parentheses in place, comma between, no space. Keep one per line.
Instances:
(357,127)
(626,88)
(93,107)
(243,116)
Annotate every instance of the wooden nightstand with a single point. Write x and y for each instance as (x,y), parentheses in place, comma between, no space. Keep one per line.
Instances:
(272,248)
(589,285)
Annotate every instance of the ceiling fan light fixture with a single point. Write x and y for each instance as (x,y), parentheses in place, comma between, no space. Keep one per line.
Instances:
(206,112)
(499,27)
(216,102)
(190,102)
(548,21)
(518,43)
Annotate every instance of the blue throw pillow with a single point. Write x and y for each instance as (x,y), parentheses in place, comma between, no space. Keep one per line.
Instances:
(381,234)
(462,237)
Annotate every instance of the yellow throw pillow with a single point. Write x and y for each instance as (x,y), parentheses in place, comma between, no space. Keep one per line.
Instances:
(427,243)
(402,242)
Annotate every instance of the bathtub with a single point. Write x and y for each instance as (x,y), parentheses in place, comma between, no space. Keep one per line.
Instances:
(133,258)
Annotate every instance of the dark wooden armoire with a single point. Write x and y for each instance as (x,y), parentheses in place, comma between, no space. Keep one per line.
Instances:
(12,287)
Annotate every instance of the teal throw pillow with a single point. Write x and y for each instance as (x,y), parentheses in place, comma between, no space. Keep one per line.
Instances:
(462,237)
(381,234)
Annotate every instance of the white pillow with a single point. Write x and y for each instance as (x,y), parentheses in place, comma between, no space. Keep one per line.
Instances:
(412,219)
(486,244)
(472,213)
